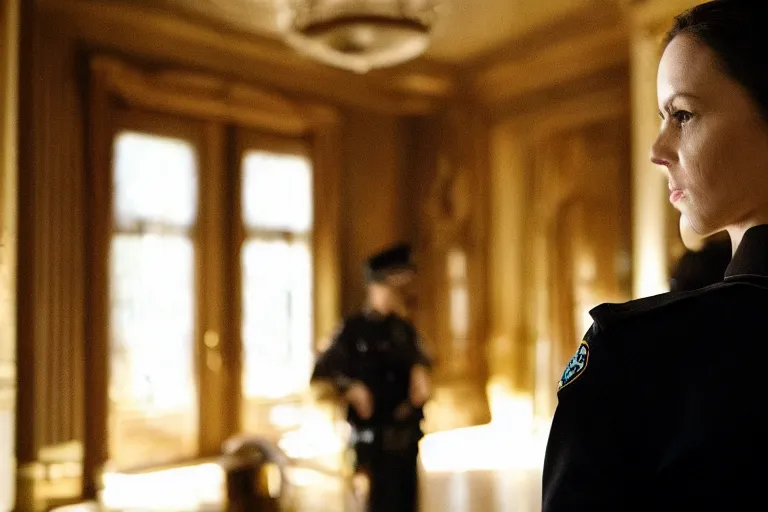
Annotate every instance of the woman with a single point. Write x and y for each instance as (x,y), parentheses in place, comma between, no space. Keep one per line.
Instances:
(662,406)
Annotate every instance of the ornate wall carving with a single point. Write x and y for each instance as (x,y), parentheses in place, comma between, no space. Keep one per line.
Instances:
(450,229)
(559,233)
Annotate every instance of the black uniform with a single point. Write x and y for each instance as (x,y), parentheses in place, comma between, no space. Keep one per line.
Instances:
(380,352)
(663,405)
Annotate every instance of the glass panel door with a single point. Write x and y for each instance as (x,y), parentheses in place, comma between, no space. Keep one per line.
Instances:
(276,281)
(153,404)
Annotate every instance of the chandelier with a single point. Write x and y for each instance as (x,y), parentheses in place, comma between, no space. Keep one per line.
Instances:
(359,35)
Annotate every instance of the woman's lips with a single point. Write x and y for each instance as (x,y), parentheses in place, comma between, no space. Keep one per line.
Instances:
(675,195)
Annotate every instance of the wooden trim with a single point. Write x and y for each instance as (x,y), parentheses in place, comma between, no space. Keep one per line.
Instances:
(326,156)
(215,397)
(100,135)
(249,140)
(207,97)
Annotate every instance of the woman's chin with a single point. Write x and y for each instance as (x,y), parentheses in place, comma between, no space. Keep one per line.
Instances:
(691,234)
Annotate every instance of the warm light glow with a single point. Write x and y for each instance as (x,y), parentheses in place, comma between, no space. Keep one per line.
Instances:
(184,488)
(79,507)
(514,439)
(486,447)
(509,409)
(651,276)
(319,439)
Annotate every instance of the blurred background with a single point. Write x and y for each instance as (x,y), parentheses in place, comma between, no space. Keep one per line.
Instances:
(189,188)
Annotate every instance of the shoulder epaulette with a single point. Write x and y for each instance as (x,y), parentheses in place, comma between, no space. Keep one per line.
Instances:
(608,314)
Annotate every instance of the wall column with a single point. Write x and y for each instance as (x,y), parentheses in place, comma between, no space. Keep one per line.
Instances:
(9,50)
(649,208)
(511,346)
(651,212)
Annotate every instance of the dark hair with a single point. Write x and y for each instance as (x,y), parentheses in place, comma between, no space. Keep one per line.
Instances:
(737,31)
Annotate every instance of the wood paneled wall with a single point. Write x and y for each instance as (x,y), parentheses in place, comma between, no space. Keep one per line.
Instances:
(373,205)
(52,244)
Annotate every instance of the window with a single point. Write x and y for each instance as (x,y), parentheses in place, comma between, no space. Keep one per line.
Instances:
(202,264)
(152,386)
(157,263)
(276,273)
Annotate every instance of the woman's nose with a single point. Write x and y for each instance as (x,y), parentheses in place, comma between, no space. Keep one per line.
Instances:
(662,152)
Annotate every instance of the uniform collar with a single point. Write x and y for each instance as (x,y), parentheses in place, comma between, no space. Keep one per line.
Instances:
(751,257)
(372,314)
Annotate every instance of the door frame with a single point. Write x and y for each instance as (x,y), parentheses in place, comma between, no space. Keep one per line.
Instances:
(214,102)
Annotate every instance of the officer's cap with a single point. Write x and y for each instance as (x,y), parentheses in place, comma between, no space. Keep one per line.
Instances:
(392,265)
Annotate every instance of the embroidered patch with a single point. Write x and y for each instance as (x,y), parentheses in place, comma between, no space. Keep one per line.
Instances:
(575,366)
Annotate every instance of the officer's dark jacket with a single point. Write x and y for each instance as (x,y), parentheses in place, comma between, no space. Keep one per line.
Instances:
(380,352)
(663,405)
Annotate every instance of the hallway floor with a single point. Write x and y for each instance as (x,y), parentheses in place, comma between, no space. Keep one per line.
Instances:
(478,469)
(472,491)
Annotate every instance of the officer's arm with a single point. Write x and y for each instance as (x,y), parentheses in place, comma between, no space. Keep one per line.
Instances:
(333,365)
(420,355)
(588,465)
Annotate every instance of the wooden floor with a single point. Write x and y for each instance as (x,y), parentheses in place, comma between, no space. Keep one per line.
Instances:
(471,491)
(452,475)
(482,491)
(502,490)
(481,469)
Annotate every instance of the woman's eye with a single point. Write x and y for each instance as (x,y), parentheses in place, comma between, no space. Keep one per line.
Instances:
(682,117)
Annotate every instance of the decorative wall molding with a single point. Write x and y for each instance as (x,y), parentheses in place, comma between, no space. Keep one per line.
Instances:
(206,96)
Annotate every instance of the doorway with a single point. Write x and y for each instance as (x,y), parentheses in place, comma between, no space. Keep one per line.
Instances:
(203,277)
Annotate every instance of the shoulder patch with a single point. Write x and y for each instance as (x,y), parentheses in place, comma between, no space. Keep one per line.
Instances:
(575,366)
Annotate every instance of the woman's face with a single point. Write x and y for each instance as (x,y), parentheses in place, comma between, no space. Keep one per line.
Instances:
(713,141)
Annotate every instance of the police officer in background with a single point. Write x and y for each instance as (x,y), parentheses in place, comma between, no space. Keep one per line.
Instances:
(376,362)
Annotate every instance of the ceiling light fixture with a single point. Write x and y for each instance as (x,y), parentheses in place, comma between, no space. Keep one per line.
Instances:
(359,35)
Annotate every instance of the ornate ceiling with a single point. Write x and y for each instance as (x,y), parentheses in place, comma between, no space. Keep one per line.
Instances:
(469,29)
